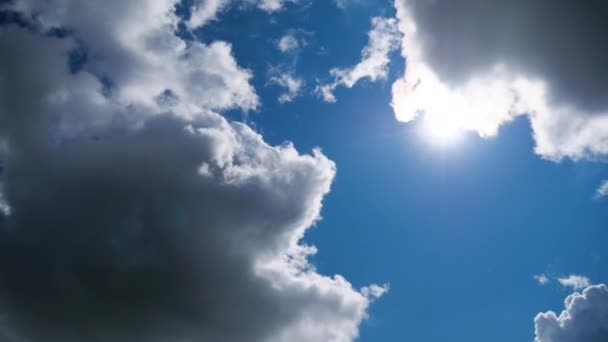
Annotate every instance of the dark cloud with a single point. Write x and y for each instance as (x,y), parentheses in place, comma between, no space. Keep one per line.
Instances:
(491,61)
(585,318)
(561,42)
(139,214)
(125,236)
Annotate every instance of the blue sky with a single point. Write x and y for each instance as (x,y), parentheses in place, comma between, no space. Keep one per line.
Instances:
(457,193)
(457,231)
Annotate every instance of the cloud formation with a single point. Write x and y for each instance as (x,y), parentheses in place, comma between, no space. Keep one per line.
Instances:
(585,318)
(602,190)
(576,282)
(203,11)
(480,64)
(271,5)
(541,279)
(384,37)
(131,210)
(288,42)
(287,80)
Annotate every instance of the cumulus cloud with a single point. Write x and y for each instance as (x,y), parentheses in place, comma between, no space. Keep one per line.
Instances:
(139,56)
(602,191)
(576,282)
(541,279)
(479,64)
(384,37)
(137,213)
(585,318)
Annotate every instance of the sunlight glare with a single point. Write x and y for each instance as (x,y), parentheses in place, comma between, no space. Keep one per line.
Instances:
(442,130)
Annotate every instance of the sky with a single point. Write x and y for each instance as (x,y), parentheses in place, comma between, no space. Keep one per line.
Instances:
(303,170)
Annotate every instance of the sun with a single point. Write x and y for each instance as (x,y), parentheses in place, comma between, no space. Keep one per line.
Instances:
(442,130)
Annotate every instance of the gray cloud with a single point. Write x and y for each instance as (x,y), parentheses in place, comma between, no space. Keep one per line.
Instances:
(542,58)
(585,318)
(558,41)
(136,212)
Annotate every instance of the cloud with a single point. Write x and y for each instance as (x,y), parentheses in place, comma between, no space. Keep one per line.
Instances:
(342,3)
(271,5)
(481,64)
(585,318)
(137,213)
(5,209)
(384,38)
(287,80)
(541,279)
(602,191)
(139,57)
(288,42)
(203,11)
(576,282)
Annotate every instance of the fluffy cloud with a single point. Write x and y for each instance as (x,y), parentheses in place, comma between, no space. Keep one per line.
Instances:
(384,37)
(585,318)
(140,57)
(131,211)
(576,282)
(479,64)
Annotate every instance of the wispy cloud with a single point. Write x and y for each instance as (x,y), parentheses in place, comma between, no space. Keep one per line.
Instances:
(287,80)
(384,38)
(541,279)
(288,42)
(576,282)
(602,191)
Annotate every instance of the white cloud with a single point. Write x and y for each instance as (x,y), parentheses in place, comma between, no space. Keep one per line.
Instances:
(585,318)
(143,58)
(375,291)
(121,176)
(342,3)
(576,282)
(384,37)
(288,42)
(503,64)
(287,80)
(203,11)
(541,279)
(602,191)
(271,5)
